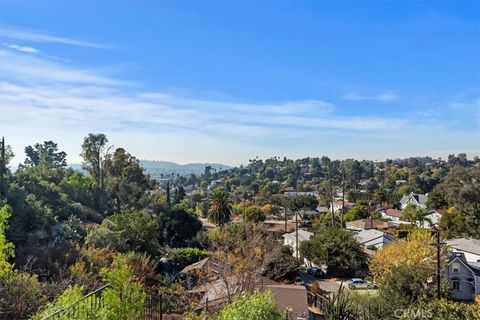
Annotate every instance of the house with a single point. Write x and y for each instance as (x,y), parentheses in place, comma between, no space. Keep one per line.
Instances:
(417,199)
(433,218)
(468,246)
(464,277)
(322,209)
(373,237)
(191,273)
(392,214)
(337,206)
(363,184)
(290,239)
(291,297)
(300,193)
(365,224)
(400,182)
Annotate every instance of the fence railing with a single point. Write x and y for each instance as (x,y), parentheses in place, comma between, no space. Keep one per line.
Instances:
(317,301)
(85,308)
(88,308)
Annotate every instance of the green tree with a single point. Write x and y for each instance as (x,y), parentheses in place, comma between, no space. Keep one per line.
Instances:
(415,214)
(125,181)
(357,212)
(254,214)
(179,195)
(46,155)
(254,306)
(220,207)
(177,227)
(182,257)
(127,231)
(6,248)
(335,248)
(124,299)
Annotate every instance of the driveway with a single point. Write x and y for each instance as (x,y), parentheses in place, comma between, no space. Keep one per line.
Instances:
(329,285)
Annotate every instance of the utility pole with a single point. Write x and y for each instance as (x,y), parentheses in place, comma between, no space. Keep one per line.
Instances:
(296,233)
(438,264)
(331,191)
(438,245)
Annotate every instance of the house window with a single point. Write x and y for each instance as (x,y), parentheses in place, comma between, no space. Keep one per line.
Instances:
(456,285)
(455,267)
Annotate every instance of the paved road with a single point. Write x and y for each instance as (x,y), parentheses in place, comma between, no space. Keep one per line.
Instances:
(330,285)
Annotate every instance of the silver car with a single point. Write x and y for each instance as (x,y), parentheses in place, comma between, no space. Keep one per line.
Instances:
(357,283)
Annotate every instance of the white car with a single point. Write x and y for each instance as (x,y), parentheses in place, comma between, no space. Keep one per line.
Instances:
(357,283)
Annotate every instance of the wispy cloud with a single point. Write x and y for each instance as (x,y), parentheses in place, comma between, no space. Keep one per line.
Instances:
(382,97)
(19,66)
(20,48)
(427,113)
(35,36)
(45,99)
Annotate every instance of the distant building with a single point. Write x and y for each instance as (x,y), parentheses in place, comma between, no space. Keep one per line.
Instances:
(375,238)
(337,206)
(433,218)
(366,224)
(393,215)
(300,193)
(417,199)
(290,239)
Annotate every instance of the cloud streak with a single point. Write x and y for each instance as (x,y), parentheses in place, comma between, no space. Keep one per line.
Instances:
(382,97)
(35,36)
(20,48)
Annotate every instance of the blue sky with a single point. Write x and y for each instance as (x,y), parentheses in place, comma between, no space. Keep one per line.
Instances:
(225,81)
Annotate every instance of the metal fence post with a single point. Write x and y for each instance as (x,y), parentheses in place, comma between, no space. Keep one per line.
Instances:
(161,306)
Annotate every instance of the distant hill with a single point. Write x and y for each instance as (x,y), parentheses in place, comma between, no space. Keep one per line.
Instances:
(156,168)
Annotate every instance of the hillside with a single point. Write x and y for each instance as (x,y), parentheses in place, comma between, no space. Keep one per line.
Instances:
(156,168)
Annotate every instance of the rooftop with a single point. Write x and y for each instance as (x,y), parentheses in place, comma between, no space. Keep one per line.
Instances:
(302,235)
(469,245)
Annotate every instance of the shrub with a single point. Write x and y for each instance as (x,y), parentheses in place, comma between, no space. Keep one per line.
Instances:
(124,299)
(254,214)
(182,257)
(70,296)
(20,295)
(257,305)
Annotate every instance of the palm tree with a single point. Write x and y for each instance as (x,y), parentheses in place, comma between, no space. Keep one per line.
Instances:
(415,215)
(220,207)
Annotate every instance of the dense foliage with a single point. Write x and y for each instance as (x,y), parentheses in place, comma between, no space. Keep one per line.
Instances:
(252,306)
(335,248)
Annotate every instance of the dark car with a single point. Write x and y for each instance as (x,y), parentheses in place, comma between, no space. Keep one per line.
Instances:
(316,272)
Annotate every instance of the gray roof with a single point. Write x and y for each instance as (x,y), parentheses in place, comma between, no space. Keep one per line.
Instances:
(421,199)
(302,235)
(469,245)
(371,234)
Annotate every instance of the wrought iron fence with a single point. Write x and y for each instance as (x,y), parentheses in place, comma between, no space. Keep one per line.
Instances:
(86,308)
(155,307)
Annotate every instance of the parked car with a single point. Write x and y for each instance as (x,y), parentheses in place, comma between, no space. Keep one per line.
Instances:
(316,272)
(357,283)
